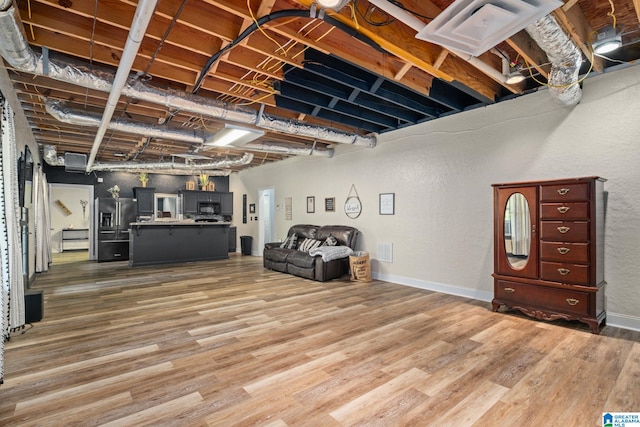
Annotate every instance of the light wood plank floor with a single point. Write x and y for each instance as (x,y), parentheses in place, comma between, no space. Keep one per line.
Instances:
(228,343)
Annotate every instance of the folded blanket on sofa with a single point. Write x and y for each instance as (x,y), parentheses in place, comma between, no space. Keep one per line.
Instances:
(331,252)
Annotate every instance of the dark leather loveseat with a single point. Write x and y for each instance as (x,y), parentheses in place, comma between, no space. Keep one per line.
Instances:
(277,256)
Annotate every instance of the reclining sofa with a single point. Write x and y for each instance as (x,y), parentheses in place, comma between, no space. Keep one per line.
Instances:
(314,252)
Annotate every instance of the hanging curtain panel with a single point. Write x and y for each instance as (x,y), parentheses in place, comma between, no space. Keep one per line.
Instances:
(12,299)
(42,216)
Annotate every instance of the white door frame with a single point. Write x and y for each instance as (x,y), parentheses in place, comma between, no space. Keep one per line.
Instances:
(89,188)
(266,212)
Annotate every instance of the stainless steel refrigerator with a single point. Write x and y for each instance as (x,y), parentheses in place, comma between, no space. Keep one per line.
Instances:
(113,216)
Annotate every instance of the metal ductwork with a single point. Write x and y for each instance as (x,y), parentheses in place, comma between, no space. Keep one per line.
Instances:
(15,49)
(62,113)
(59,111)
(210,168)
(565,59)
(51,157)
(298,151)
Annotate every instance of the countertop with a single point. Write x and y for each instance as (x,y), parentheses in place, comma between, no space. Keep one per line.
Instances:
(178,222)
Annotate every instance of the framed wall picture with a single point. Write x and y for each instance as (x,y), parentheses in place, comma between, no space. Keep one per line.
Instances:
(311,204)
(330,204)
(252,208)
(387,203)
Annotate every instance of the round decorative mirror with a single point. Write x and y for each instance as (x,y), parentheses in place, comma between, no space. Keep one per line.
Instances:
(517,231)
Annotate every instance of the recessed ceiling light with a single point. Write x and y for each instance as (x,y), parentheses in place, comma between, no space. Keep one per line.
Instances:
(607,40)
(332,4)
(514,78)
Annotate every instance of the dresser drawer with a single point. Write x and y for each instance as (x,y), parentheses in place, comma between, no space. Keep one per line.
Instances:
(563,300)
(564,252)
(567,192)
(565,211)
(564,273)
(564,231)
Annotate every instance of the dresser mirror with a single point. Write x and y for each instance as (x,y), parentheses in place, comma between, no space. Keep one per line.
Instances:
(517,231)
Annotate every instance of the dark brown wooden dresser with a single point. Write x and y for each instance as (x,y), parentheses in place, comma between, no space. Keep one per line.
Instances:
(549,249)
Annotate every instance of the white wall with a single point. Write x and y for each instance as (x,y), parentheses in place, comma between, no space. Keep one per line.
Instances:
(441,173)
(70,196)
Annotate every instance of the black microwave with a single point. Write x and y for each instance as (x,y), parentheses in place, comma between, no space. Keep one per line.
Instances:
(209,208)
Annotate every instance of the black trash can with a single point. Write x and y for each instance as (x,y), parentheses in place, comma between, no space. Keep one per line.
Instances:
(245,244)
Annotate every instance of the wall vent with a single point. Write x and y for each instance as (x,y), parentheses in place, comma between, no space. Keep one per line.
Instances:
(385,252)
(475,26)
(74,162)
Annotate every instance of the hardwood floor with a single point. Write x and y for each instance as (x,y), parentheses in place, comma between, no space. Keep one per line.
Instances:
(227,343)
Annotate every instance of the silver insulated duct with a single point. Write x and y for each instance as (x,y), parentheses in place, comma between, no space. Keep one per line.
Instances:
(50,156)
(565,59)
(15,49)
(62,113)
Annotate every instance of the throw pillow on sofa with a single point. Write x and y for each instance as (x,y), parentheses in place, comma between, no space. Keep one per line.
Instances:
(330,241)
(308,244)
(290,242)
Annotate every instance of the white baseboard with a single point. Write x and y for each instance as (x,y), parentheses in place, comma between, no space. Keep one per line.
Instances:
(623,321)
(434,286)
(613,319)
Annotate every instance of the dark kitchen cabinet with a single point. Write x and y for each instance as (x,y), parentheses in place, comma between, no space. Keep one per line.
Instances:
(227,203)
(145,200)
(190,202)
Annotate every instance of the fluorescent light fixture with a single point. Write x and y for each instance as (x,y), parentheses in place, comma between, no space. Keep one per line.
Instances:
(234,135)
(607,40)
(335,5)
(475,26)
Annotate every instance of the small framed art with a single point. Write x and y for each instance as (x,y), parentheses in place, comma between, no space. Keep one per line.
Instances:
(311,204)
(387,203)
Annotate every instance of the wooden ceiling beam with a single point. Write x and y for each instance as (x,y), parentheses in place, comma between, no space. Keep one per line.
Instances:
(575,24)
(531,53)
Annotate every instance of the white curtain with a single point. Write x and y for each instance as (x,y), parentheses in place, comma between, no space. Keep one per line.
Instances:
(520,225)
(42,216)
(12,299)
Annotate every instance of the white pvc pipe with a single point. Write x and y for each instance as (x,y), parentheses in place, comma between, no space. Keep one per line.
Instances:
(141,20)
(400,14)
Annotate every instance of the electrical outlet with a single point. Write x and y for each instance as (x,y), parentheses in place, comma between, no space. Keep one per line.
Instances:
(100,179)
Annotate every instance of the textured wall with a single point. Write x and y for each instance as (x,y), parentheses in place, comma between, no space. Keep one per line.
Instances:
(441,173)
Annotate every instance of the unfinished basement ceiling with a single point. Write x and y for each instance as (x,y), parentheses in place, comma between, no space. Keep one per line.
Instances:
(354,74)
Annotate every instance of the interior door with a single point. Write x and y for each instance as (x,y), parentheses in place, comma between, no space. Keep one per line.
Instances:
(266,211)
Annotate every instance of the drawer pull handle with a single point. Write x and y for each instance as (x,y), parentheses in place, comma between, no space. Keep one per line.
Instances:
(563,191)
(563,209)
(510,290)
(572,301)
(563,251)
(564,271)
(563,229)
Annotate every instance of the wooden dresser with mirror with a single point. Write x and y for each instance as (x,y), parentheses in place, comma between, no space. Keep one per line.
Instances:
(549,249)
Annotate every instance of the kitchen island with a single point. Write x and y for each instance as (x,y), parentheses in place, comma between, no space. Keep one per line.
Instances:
(165,242)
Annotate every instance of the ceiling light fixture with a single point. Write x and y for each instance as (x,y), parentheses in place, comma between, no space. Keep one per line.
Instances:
(514,78)
(607,40)
(234,135)
(334,5)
